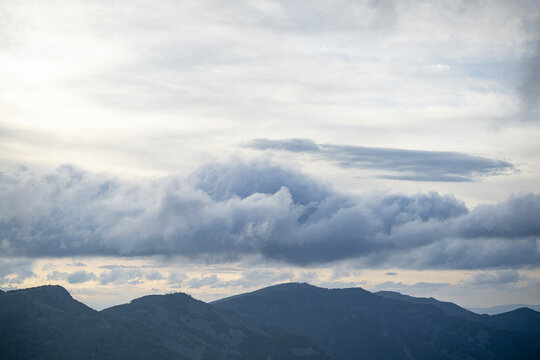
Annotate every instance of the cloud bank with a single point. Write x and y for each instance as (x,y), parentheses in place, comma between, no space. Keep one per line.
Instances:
(225,211)
(398,164)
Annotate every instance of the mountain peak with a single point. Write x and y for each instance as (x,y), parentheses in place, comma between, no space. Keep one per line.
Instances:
(291,286)
(177,296)
(284,287)
(54,291)
(54,296)
(524,310)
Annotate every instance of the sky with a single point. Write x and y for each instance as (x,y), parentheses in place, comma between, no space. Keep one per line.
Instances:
(217,147)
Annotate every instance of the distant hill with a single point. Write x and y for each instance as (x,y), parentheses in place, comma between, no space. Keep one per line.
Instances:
(354,323)
(502,308)
(448,307)
(47,323)
(288,321)
(519,319)
(201,331)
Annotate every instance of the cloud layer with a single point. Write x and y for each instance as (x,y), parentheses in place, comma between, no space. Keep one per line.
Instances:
(399,164)
(225,211)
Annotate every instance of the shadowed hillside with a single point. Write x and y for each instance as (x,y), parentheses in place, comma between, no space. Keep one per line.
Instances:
(354,323)
(47,323)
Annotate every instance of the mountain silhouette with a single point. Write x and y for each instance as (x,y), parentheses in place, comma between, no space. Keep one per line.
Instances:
(354,324)
(448,307)
(494,310)
(201,331)
(287,321)
(47,323)
(522,319)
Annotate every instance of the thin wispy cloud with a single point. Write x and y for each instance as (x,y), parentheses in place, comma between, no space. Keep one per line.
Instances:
(398,164)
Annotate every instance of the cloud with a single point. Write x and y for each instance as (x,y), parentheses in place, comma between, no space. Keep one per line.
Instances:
(132,276)
(418,287)
(398,164)
(72,278)
(293,145)
(80,277)
(210,280)
(77,264)
(529,88)
(249,278)
(261,277)
(494,278)
(176,279)
(226,211)
(238,179)
(14,271)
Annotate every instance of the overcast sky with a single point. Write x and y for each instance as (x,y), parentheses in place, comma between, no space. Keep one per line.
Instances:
(215,147)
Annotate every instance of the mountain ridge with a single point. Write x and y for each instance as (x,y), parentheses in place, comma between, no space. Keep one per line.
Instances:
(47,320)
(499,309)
(283,321)
(352,321)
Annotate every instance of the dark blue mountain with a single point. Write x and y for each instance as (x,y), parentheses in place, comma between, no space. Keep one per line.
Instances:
(522,319)
(47,323)
(354,324)
(201,331)
(448,307)
(494,310)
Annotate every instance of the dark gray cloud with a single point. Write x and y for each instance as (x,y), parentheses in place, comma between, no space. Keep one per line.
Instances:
(398,164)
(237,179)
(226,211)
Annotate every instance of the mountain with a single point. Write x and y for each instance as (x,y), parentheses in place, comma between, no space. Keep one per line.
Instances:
(522,319)
(47,323)
(201,331)
(502,308)
(448,307)
(287,321)
(354,323)
(55,297)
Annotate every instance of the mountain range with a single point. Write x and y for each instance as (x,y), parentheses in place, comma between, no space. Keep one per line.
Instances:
(494,310)
(286,321)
